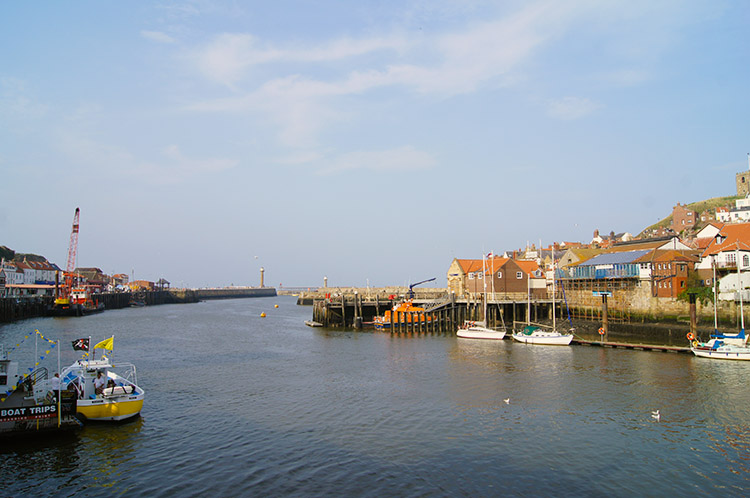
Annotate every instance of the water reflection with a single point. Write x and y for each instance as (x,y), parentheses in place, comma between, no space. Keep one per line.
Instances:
(238,405)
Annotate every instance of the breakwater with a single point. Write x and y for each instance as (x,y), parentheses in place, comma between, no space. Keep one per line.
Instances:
(12,309)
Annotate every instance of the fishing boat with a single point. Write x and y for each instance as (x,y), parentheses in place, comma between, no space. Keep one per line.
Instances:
(722,346)
(119,399)
(404,313)
(536,334)
(79,303)
(479,329)
(29,405)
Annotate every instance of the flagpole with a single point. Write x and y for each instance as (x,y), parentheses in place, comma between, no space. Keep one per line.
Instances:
(59,394)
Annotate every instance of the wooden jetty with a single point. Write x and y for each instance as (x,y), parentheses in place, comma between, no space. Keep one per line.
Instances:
(442,314)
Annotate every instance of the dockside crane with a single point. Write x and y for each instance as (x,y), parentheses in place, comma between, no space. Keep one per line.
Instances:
(411,292)
(63,296)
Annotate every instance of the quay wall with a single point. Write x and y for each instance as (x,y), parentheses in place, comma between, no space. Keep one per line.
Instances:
(12,309)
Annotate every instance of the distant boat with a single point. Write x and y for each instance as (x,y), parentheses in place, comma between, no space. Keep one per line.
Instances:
(311,323)
(80,303)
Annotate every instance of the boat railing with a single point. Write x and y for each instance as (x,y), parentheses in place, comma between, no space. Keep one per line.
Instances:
(126,371)
(36,383)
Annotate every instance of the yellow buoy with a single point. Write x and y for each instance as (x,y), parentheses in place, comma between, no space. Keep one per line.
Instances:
(262,315)
(276,306)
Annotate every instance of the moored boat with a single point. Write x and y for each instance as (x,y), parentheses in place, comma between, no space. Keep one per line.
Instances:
(405,313)
(106,391)
(479,329)
(720,350)
(29,405)
(722,346)
(532,334)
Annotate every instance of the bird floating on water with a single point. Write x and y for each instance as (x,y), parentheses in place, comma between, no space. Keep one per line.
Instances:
(656,415)
(507,401)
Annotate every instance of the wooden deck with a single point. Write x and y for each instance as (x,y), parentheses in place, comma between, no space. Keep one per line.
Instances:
(640,347)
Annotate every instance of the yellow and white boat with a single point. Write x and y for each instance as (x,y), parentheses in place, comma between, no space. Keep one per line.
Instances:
(121,398)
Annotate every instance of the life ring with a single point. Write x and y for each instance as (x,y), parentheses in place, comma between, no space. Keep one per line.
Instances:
(690,336)
(601,331)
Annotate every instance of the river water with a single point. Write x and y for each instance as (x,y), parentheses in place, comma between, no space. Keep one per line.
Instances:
(240,405)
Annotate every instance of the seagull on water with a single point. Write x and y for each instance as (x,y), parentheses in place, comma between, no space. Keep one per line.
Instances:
(656,414)
(507,401)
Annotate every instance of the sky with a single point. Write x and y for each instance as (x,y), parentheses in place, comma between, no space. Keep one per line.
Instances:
(368,142)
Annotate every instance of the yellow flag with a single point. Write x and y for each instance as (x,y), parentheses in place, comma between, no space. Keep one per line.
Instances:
(106,344)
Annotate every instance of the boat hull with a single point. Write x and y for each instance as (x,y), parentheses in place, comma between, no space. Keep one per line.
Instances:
(21,415)
(106,410)
(480,333)
(545,339)
(719,354)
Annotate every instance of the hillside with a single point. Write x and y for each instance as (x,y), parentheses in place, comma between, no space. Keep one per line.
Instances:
(698,207)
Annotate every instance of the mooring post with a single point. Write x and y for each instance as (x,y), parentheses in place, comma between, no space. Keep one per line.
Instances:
(605,317)
(693,315)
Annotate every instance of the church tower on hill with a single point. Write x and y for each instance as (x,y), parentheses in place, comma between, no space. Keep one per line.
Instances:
(743,180)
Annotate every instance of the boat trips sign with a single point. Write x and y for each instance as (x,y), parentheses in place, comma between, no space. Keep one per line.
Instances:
(27,413)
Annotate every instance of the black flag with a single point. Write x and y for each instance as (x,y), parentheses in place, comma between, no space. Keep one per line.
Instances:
(81,344)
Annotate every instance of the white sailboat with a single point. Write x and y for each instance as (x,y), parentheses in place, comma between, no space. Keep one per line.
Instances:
(479,329)
(534,334)
(724,346)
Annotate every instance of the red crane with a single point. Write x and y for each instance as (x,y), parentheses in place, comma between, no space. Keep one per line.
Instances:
(64,295)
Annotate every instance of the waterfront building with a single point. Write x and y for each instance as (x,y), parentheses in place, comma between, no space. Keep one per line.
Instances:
(729,248)
(506,278)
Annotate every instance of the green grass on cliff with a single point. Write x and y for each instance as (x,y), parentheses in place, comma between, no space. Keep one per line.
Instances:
(699,207)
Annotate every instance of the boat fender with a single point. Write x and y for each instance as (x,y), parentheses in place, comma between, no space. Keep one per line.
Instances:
(601,331)
(690,336)
(695,344)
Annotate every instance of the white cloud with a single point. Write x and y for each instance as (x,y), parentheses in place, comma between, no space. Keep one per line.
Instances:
(169,166)
(570,108)
(17,102)
(157,36)
(401,159)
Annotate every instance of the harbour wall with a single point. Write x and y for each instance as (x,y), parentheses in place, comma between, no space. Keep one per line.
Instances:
(12,309)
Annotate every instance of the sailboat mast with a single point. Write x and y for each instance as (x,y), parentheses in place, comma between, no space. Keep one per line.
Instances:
(554,326)
(484,283)
(739,286)
(716,320)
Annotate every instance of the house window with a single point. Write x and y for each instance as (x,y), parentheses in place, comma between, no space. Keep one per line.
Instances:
(519,275)
(499,274)
(479,276)
(708,281)
(682,284)
(471,276)
(745,260)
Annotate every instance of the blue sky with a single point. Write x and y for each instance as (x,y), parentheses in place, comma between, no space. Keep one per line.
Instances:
(369,142)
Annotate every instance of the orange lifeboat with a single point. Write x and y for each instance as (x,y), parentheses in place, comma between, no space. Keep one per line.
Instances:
(405,313)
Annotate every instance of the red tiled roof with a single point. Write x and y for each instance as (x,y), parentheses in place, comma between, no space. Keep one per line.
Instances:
(736,236)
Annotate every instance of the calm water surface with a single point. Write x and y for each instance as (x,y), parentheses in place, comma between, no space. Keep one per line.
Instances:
(239,405)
